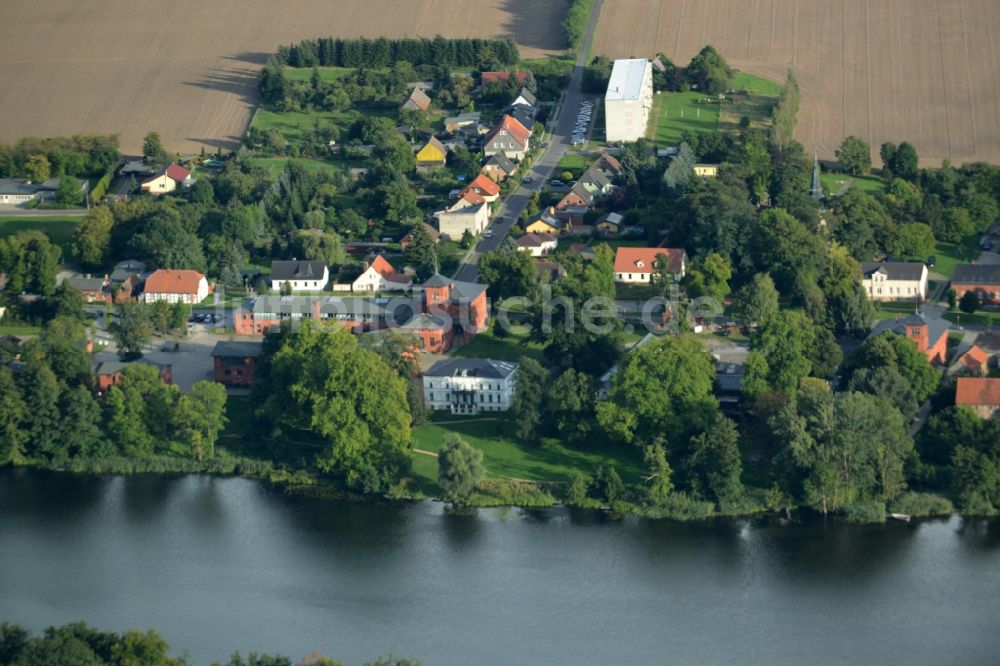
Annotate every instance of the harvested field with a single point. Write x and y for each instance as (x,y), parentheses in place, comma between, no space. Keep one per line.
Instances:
(924,71)
(189,69)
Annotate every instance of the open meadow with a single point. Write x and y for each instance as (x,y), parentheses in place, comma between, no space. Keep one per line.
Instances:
(189,70)
(924,71)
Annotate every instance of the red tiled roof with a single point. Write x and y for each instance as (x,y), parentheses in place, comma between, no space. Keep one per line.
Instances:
(976,391)
(502,77)
(171,281)
(534,240)
(519,132)
(485,184)
(472,197)
(975,358)
(642,259)
(177,172)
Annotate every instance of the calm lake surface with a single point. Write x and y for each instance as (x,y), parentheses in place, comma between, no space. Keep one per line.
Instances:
(218,565)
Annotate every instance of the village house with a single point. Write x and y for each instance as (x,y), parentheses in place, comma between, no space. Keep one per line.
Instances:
(502,77)
(15,192)
(109,373)
(975,361)
(455,123)
(498,167)
(433,233)
(894,280)
(525,98)
(379,275)
(261,313)
(449,310)
(510,138)
(548,222)
(930,334)
(484,187)
(536,245)
(126,280)
(167,180)
(433,155)
(454,222)
(637,265)
(416,101)
(523,114)
(175,286)
(470,385)
(297,275)
(610,224)
(981,279)
(92,290)
(235,362)
(980,394)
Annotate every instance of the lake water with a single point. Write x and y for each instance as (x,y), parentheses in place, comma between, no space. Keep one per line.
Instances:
(218,565)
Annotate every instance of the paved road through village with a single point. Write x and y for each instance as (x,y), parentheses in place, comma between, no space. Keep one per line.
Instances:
(516,201)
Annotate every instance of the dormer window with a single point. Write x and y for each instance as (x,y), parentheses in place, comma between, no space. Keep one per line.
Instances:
(640,264)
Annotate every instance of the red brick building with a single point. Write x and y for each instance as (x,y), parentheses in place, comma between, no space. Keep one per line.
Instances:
(236,362)
(109,373)
(982,279)
(450,310)
(930,335)
(263,312)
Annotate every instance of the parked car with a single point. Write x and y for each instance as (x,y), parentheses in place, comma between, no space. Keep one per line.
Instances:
(931,260)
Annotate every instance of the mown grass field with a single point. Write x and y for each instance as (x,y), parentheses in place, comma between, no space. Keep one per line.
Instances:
(675,112)
(836,183)
(511,348)
(505,457)
(59,229)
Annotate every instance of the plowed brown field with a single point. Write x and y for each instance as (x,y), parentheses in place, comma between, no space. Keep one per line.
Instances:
(188,68)
(924,71)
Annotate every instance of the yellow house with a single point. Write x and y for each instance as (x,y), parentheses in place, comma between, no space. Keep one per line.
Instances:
(547,223)
(433,154)
(706,170)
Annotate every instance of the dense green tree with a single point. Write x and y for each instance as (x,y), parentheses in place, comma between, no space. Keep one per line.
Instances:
(37,168)
(854,155)
(152,149)
(664,387)
(69,193)
(508,273)
(756,303)
(660,485)
(708,278)
(887,382)
(14,423)
(785,114)
(786,249)
(569,406)
(714,466)
(92,237)
(40,392)
(911,240)
(708,71)
(80,432)
(860,223)
(459,468)
(680,169)
(781,346)
(200,417)
(63,341)
(526,407)
(946,430)
(969,302)
(166,242)
(421,252)
(898,352)
(975,481)
(320,381)
(131,329)
(954,225)
(30,261)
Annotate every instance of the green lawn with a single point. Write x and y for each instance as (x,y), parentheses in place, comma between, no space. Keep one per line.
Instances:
(949,255)
(674,112)
(835,183)
(326,74)
(294,124)
(981,318)
(892,310)
(505,457)
(756,85)
(276,165)
(19,330)
(511,348)
(575,162)
(59,229)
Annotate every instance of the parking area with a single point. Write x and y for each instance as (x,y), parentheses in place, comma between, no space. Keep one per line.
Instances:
(584,115)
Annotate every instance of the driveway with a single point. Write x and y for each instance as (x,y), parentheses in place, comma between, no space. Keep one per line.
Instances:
(543,167)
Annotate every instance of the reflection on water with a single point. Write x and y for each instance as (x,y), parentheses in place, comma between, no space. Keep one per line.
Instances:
(220,564)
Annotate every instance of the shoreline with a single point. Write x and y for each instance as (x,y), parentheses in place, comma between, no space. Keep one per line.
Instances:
(304,485)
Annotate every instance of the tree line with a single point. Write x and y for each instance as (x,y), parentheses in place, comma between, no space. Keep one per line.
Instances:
(384,52)
(41,159)
(82,645)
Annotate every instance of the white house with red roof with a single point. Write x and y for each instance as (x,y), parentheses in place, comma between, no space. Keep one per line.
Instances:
(484,187)
(637,265)
(381,276)
(175,286)
(510,138)
(167,180)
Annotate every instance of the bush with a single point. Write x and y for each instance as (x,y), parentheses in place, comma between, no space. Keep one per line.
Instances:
(922,504)
(865,511)
(507,492)
(680,506)
(575,24)
(101,188)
